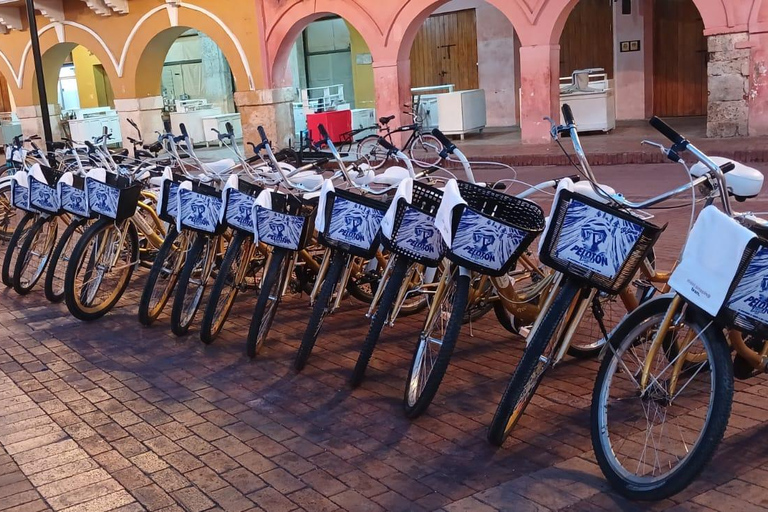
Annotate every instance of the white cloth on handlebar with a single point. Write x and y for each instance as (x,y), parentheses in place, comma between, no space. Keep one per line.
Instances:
(167,175)
(320,217)
(710,260)
(232,182)
(264,200)
(97,174)
(444,217)
(36,172)
(405,191)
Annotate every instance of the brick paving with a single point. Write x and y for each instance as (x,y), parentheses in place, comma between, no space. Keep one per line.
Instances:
(113,416)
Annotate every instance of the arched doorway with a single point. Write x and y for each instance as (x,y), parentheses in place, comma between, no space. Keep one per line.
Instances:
(587,38)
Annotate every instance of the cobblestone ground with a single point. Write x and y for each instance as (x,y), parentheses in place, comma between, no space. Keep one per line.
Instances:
(110,415)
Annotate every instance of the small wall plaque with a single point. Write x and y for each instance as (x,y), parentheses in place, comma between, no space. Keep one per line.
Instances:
(363,58)
(629,46)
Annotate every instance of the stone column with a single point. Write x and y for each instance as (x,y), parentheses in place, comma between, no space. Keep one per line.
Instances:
(145,112)
(270,108)
(393,90)
(728,71)
(31,120)
(539,91)
(758,85)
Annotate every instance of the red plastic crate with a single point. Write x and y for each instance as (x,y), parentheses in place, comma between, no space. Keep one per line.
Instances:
(336,123)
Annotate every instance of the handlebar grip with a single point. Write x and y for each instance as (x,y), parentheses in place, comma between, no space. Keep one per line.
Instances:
(321,161)
(58,145)
(387,145)
(183,129)
(132,123)
(323,131)
(567,114)
(445,141)
(668,131)
(230,129)
(262,133)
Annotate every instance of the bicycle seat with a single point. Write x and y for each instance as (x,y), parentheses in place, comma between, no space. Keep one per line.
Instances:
(743,182)
(386,120)
(219,166)
(307,179)
(392,176)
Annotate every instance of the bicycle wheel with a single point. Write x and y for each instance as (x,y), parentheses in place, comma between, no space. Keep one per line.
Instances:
(393,283)
(651,444)
(605,312)
(34,254)
(239,261)
(370,149)
(436,343)
(14,245)
(62,254)
(163,275)
(9,216)
(320,310)
(101,267)
(425,150)
(198,266)
(269,299)
(531,368)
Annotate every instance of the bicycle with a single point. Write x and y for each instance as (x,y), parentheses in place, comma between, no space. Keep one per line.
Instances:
(423,149)
(669,363)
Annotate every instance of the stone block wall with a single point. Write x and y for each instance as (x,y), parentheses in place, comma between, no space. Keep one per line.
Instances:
(728,79)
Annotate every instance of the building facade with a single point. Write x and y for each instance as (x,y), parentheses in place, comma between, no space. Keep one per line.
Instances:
(521,65)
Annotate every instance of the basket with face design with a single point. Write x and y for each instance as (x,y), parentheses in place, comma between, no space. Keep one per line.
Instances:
(74,198)
(116,197)
(597,243)
(238,205)
(352,223)
(43,195)
(200,209)
(414,234)
(168,206)
(746,306)
(492,230)
(287,224)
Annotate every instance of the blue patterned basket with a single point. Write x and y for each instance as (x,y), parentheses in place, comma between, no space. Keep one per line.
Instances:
(44,196)
(352,223)
(200,209)
(115,198)
(74,198)
(597,243)
(746,306)
(288,224)
(20,196)
(238,205)
(492,230)
(414,234)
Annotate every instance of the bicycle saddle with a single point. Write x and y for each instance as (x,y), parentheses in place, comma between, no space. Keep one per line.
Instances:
(219,166)
(743,182)
(391,176)
(385,120)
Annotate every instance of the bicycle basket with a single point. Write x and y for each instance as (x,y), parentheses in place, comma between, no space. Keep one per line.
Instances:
(168,207)
(287,224)
(596,242)
(238,205)
(116,197)
(414,234)
(352,223)
(200,209)
(746,306)
(492,230)
(73,197)
(42,192)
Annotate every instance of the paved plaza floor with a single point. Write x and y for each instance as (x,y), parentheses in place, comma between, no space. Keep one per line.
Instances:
(113,416)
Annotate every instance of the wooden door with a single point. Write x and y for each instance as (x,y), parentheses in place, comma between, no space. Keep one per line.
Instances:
(445,51)
(679,59)
(5,97)
(587,38)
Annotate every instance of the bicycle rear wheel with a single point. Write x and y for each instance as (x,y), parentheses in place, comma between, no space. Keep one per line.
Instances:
(652,443)
(62,254)
(370,149)
(194,277)
(436,343)
(269,299)
(18,237)
(535,362)
(34,254)
(320,310)
(9,215)
(163,275)
(101,267)
(424,151)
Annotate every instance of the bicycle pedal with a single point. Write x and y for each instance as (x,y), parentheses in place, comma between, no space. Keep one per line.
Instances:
(525,331)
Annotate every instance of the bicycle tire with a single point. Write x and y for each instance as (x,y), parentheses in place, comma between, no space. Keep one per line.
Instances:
(417,407)
(268,301)
(387,300)
(14,244)
(215,316)
(188,297)
(368,147)
(149,311)
(430,145)
(75,307)
(319,310)
(7,212)
(719,364)
(48,227)
(522,386)
(59,260)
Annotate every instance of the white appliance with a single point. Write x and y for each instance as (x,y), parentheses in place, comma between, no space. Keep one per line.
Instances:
(363,118)
(219,123)
(191,113)
(90,122)
(461,112)
(591,97)
(10,127)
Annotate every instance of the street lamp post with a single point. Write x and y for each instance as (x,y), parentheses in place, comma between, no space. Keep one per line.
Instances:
(39,73)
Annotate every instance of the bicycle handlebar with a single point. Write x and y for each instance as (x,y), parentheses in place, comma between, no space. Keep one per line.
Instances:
(670,133)
(568,114)
(449,146)
(262,134)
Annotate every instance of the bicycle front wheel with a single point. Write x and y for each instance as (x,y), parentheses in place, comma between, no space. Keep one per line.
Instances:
(101,267)
(269,299)
(35,253)
(9,215)
(23,228)
(198,266)
(425,150)
(651,443)
(531,368)
(370,149)
(62,254)
(163,275)
(436,343)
